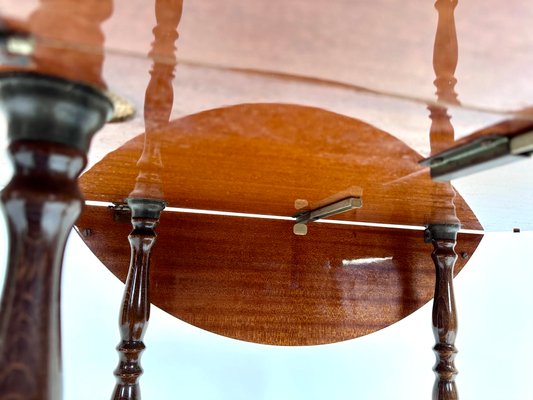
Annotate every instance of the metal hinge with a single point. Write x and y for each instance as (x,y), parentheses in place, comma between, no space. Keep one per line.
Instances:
(303,218)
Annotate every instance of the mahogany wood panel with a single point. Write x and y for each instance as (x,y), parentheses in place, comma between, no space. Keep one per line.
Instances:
(254,280)
(77,53)
(261,158)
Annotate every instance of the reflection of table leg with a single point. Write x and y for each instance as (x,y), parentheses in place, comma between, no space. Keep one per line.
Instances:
(444,238)
(135,311)
(50,123)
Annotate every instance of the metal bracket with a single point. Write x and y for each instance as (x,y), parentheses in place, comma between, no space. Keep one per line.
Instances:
(303,218)
(121,213)
(480,154)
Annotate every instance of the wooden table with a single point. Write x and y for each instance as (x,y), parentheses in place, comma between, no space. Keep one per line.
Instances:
(268,109)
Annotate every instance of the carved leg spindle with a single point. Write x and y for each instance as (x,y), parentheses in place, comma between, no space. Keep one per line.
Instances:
(444,237)
(445,52)
(50,123)
(445,58)
(135,311)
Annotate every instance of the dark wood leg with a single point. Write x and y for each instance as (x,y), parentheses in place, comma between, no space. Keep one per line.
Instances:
(135,311)
(41,203)
(444,237)
(145,210)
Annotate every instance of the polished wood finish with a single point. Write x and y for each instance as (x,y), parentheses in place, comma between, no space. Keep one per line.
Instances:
(445,52)
(48,147)
(80,59)
(145,206)
(158,98)
(444,319)
(381,46)
(254,280)
(346,70)
(291,50)
(210,78)
(85,18)
(394,58)
(262,158)
(445,58)
(41,203)
(442,232)
(135,311)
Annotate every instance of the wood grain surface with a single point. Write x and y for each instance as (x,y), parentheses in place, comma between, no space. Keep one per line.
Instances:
(341,74)
(262,158)
(253,279)
(381,45)
(41,203)
(444,320)
(135,311)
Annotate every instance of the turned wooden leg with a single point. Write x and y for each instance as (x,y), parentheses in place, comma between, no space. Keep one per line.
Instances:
(135,311)
(50,123)
(444,237)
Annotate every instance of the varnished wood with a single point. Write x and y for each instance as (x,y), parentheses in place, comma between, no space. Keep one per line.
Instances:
(366,62)
(444,319)
(445,52)
(135,311)
(382,46)
(41,203)
(445,58)
(261,158)
(216,83)
(84,20)
(443,231)
(146,206)
(80,60)
(254,280)
(159,98)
